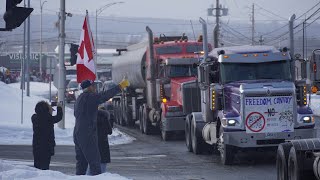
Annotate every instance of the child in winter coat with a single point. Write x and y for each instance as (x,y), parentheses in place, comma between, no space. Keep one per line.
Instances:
(104,129)
(43,134)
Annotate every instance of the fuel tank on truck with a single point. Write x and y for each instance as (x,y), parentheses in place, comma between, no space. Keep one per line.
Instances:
(131,64)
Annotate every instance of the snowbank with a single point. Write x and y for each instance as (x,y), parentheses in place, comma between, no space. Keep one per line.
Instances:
(315,104)
(37,88)
(12,132)
(9,171)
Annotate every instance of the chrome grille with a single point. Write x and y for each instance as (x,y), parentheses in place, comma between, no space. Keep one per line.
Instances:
(191,98)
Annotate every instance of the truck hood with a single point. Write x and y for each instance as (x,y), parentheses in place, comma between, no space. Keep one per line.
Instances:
(232,90)
(177,56)
(176,83)
(235,86)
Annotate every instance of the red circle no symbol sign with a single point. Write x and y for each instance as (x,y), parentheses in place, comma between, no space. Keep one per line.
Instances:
(255,122)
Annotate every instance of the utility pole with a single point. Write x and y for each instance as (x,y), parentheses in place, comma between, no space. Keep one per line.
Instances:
(62,68)
(217,22)
(219,11)
(40,59)
(291,23)
(303,38)
(252,21)
(28,55)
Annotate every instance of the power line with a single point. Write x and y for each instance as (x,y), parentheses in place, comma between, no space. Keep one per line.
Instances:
(237,32)
(270,11)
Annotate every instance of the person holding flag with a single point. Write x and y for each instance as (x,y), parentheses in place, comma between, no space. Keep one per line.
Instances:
(86,106)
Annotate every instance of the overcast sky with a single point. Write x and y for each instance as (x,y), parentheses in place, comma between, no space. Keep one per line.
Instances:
(179,9)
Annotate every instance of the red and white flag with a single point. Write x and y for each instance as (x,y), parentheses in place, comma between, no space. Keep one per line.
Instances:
(85,64)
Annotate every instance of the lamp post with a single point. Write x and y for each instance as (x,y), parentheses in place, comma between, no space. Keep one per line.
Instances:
(40,58)
(98,12)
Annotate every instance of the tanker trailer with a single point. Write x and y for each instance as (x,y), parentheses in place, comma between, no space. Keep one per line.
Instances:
(153,68)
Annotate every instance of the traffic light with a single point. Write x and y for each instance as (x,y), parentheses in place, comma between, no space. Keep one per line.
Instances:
(73,53)
(15,16)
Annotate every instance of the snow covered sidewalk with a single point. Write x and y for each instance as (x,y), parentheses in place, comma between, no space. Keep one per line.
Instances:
(9,171)
(12,132)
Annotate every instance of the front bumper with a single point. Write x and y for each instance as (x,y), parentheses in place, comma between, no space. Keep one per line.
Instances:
(173,123)
(246,140)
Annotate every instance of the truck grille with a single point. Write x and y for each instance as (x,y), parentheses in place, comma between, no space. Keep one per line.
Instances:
(191,98)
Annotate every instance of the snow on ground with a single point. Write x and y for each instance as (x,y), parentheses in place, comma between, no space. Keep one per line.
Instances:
(37,88)
(10,171)
(315,104)
(12,132)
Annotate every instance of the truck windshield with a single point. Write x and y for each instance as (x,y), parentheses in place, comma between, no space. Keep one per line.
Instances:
(194,48)
(231,72)
(168,50)
(181,71)
(73,84)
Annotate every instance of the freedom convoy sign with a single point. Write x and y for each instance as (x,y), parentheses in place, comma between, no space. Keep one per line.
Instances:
(269,114)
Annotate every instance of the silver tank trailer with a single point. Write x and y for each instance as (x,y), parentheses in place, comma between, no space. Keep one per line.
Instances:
(131,64)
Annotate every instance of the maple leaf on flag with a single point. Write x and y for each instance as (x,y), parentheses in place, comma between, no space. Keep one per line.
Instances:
(85,60)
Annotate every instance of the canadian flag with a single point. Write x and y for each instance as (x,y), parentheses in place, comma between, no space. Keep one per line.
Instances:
(85,63)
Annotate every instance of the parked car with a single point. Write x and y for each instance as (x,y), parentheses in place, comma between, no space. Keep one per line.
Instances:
(71,88)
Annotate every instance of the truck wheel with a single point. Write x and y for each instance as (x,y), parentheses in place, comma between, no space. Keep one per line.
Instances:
(226,151)
(118,113)
(316,168)
(196,140)
(128,116)
(141,119)
(146,122)
(294,169)
(187,133)
(282,161)
(115,112)
(122,113)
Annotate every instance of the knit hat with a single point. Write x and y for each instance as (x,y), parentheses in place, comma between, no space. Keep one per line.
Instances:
(86,83)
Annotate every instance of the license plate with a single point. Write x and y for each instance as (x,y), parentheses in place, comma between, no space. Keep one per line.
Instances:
(271,135)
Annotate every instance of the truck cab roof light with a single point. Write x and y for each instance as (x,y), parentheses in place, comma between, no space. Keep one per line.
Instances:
(255,55)
(225,56)
(265,54)
(245,55)
(284,54)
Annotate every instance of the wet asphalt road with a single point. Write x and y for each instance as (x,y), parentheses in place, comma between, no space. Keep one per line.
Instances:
(148,157)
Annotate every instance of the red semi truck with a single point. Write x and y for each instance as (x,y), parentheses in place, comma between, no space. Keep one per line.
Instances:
(155,70)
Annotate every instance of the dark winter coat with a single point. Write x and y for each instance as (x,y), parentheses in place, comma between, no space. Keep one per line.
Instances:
(104,129)
(85,112)
(43,141)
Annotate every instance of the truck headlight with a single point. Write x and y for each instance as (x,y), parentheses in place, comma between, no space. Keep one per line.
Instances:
(306,119)
(232,122)
(71,92)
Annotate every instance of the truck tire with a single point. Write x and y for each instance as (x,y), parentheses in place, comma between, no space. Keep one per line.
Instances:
(145,120)
(141,119)
(316,168)
(188,133)
(196,139)
(128,116)
(295,165)
(121,113)
(282,161)
(226,151)
(115,111)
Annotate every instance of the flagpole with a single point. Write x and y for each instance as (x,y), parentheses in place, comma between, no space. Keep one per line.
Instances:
(62,68)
